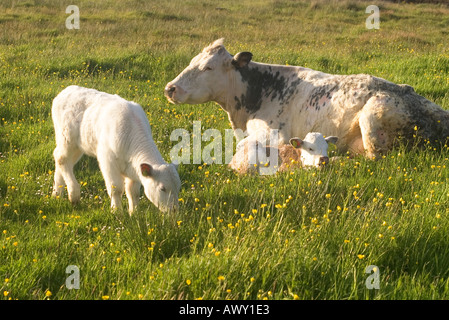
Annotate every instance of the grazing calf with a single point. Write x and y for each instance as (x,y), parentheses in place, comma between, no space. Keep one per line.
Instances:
(117,132)
(310,152)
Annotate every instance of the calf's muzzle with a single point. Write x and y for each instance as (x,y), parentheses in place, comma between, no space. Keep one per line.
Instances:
(324,161)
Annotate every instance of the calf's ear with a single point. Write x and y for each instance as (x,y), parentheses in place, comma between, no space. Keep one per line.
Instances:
(331,139)
(296,142)
(241,59)
(146,169)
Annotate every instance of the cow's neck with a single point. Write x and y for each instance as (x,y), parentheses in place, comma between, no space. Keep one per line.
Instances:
(230,100)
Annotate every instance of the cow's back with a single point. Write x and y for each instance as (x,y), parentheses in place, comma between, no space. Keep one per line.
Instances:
(67,112)
(331,104)
(83,116)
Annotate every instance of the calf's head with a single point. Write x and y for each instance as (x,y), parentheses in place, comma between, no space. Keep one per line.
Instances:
(161,185)
(313,148)
(206,78)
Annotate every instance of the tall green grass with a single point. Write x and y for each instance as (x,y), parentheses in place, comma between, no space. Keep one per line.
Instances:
(304,234)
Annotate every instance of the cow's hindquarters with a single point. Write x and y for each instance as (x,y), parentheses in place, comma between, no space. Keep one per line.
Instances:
(381,122)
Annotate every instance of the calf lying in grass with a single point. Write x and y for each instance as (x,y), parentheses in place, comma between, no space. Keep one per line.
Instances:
(310,152)
(118,133)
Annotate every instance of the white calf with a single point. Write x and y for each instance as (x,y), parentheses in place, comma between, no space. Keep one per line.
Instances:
(117,132)
(310,152)
(313,148)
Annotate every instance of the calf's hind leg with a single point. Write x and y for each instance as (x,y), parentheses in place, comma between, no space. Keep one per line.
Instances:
(65,160)
(59,183)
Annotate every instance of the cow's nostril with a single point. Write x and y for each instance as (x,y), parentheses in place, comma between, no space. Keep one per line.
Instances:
(169,90)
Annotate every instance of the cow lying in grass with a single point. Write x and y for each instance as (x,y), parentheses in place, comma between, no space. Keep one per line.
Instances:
(367,113)
(310,152)
(117,132)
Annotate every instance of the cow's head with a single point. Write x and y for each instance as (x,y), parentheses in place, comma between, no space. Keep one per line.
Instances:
(313,148)
(205,79)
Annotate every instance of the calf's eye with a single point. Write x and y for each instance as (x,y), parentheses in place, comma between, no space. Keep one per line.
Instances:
(163,189)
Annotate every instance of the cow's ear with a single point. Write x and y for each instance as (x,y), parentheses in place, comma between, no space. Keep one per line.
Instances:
(241,59)
(296,142)
(146,169)
(331,139)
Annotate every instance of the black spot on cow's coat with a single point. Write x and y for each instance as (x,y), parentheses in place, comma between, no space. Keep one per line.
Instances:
(262,85)
(320,92)
(281,125)
(238,103)
(378,84)
(281,110)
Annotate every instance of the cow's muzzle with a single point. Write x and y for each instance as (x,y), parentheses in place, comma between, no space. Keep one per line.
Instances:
(170,90)
(173,92)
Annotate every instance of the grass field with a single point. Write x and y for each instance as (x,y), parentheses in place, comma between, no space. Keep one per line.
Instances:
(305,234)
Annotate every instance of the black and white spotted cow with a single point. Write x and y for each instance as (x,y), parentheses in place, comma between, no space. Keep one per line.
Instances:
(366,113)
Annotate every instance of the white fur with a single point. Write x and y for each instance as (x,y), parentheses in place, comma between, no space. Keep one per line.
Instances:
(118,134)
(314,149)
(310,152)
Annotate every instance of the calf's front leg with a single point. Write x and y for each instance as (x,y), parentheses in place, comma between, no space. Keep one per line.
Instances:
(132,189)
(113,180)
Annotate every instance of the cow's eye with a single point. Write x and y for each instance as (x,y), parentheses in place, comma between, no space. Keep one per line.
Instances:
(310,149)
(163,189)
(207,68)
